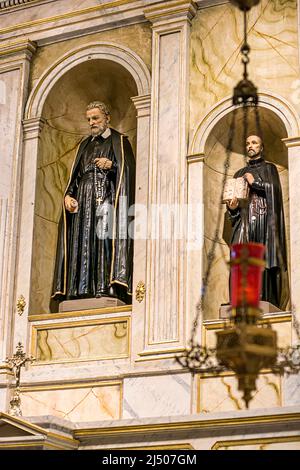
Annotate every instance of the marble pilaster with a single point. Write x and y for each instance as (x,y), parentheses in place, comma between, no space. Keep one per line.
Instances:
(142,104)
(31,129)
(293,145)
(194,271)
(15,57)
(166,247)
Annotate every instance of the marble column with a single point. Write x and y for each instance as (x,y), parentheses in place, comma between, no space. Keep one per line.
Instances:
(165,322)
(142,104)
(293,145)
(15,60)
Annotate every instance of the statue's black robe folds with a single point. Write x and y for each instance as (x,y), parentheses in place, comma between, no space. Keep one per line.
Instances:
(263,222)
(67,281)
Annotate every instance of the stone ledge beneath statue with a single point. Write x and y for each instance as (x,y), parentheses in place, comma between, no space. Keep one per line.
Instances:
(265,307)
(89,304)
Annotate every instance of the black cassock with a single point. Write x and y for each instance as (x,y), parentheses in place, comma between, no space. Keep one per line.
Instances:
(94,250)
(263,222)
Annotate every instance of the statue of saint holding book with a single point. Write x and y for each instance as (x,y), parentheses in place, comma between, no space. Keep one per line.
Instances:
(255,210)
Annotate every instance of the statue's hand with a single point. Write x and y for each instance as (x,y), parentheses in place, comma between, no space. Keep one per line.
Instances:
(103,163)
(249,177)
(71,204)
(233,204)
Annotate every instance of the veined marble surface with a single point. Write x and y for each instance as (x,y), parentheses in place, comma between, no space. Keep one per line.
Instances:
(10,94)
(167,395)
(217,34)
(74,404)
(291,390)
(221,393)
(84,342)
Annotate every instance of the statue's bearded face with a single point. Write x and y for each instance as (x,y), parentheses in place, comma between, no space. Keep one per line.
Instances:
(98,121)
(254,146)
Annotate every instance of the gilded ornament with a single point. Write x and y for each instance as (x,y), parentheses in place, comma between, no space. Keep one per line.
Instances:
(140,291)
(21,304)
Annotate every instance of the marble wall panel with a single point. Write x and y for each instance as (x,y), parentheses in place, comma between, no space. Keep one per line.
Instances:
(157,396)
(221,394)
(80,403)
(216,38)
(83,341)
(9,96)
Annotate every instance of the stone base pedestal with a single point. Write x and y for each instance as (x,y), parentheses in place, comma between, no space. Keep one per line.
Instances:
(266,307)
(88,304)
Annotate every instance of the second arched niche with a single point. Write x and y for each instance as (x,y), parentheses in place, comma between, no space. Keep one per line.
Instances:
(65,126)
(270,127)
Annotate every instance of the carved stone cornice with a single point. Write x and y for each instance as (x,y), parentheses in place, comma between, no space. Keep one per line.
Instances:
(291,142)
(23,47)
(142,104)
(32,127)
(195,158)
(173,10)
(13,3)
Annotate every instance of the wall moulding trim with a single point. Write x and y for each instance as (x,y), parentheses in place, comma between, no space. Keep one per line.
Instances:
(195,158)
(70,386)
(32,128)
(116,431)
(174,8)
(142,105)
(24,46)
(209,3)
(91,51)
(66,356)
(74,14)
(291,141)
(15,3)
(276,317)
(262,441)
(80,313)
(32,431)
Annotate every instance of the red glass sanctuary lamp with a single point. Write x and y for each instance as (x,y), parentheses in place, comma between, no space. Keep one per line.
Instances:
(247,265)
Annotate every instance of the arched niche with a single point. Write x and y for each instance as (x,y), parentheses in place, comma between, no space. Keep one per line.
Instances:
(273,131)
(63,112)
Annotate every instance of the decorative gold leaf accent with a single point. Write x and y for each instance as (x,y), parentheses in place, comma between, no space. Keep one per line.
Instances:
(140,291)
(21,304)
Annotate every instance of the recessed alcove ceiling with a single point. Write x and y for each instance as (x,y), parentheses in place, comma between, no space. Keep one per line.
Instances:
(102,80)
(272,130)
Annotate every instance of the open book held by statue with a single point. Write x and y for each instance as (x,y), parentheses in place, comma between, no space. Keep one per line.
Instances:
(235,187)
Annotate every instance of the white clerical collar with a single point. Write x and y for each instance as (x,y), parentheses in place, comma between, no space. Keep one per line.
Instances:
(104,134)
